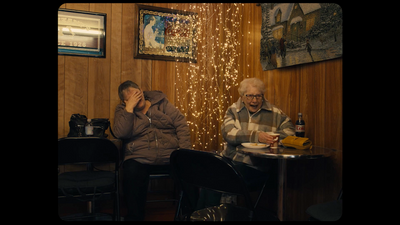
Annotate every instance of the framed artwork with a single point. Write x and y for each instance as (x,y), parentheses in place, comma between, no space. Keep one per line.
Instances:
(81,33)
(166,34)
(297,33)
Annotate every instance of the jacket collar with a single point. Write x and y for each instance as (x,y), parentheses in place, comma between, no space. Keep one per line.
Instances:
(154,96)
(266,105)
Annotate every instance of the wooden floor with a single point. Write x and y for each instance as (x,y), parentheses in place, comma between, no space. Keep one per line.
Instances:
(157,211)
(160,211)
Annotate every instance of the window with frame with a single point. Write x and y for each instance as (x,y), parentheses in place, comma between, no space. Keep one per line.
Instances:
(278,16)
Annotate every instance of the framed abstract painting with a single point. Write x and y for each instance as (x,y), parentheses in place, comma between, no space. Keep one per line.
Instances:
(166,34)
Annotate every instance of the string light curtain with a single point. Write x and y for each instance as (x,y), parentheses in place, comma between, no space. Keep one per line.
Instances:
(204,89)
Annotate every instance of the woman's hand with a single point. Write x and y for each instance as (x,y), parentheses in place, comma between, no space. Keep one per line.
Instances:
(132,100)
(265,138)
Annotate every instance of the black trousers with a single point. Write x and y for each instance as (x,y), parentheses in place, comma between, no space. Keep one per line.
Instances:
(136,181)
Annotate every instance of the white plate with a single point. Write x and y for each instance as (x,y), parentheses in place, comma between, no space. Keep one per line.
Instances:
(255,145)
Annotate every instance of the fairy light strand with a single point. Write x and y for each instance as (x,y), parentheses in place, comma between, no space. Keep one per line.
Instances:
(203,89)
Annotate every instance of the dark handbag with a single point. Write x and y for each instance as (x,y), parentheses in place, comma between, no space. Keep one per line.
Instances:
(77,126)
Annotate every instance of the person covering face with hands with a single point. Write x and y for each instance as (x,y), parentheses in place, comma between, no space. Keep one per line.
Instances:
(151,128)
(250,118)
(134,97)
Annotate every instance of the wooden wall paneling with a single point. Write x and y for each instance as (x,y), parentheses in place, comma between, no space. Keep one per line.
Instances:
(77,6)
(212,55)
(267,78)
(320,74)
(312,102)
(76,75)
(147,70)
(286,90)
(193,83)
(180,89)
(256,24)
(183,81)
(308,95)
(159,67)
(219,82)
(182,95)
(213,49)
(334,119)
(334,100)
(245,42)
(171,67)
(319,105)
(146,75)
(160,80)
(163,77)
(130,67)
(215,76)
(115,54)
(76,87)
(198,82)
(61,102)
(99,73)
(185,96)
(61,95)
(251,32)
(239,60)
(61,92)
(170,91)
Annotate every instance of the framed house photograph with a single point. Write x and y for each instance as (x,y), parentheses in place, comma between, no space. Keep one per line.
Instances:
(166,34)
(297,33)
(81,33)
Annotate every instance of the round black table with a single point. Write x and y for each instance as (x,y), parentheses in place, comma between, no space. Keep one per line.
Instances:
(282,154)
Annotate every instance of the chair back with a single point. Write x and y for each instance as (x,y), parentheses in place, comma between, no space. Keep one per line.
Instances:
(87,150)
(208,170)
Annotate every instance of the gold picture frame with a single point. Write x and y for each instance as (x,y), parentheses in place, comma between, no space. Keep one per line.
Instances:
(166,34)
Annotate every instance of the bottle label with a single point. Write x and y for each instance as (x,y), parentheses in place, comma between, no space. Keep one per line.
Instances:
(300,128)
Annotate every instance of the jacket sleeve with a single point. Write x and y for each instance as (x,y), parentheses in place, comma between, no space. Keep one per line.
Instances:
(123,123)
(285,128)
(180,124)
(235,135)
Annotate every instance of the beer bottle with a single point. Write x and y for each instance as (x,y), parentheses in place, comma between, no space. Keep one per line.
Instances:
(300,126)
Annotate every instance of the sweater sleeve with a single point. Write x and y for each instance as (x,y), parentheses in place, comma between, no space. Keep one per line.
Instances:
(233,134)
(285,128)
(123,122)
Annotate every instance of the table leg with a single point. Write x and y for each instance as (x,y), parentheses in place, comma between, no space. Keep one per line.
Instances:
(281,189)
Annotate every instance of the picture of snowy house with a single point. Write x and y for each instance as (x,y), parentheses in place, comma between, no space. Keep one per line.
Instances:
(293,19)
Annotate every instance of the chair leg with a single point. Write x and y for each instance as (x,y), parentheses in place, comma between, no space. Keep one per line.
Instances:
(116,216)
(179,206)
(259,196)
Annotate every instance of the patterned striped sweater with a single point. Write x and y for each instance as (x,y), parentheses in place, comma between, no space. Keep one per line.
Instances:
(240,126)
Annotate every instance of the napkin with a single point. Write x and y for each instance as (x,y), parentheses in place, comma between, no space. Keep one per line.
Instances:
(297,142)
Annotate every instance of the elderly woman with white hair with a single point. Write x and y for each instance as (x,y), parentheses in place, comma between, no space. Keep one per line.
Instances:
(250,118)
